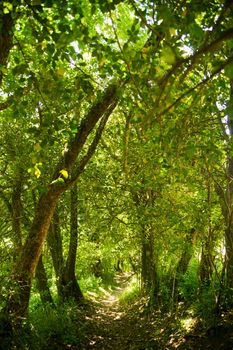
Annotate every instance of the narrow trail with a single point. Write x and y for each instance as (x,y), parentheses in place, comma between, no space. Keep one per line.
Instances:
(111,326)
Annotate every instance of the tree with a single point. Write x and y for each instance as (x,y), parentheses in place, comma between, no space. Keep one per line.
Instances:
(68,67)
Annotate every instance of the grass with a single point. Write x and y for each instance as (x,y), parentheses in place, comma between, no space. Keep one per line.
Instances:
(50,327)
(131,292)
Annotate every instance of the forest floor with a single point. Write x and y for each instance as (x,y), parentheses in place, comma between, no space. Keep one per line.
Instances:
(108,324)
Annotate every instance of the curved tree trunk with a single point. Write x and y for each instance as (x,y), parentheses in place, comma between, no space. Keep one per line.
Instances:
(18,297)
(23,272)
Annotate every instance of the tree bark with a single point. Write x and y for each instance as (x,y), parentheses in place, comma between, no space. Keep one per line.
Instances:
(18,297)
(19,294)
(6,36)
(225,194)
(56,250)
(42,283)
(150,280)
(70,286)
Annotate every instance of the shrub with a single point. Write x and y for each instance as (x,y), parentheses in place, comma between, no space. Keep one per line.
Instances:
(52,328)
(131,292)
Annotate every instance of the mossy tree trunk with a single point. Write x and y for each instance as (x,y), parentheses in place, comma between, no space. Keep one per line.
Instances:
(225,193)
(18,297)
(69,283)
(24,269)
(182,265)
(56,250)
(42,283)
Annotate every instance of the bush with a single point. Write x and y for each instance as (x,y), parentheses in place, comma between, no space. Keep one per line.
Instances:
(90,283)
(189,284)
(52,328)
(131,292)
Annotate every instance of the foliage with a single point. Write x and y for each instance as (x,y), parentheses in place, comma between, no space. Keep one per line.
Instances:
(51,328)
(189,284)
(131,100)
(131,293)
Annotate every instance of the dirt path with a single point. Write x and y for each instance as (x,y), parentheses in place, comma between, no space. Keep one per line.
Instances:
(107,325)
(110,326)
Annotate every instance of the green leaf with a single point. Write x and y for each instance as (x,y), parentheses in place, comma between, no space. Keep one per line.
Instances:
(7,7)
(168,56)
(229,71)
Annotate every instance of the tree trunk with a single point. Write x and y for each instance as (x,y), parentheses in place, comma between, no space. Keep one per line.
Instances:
(6,35)
(150,281)
(206,266)
(18,297)
(42,283)
(56,250)
(227,270)
(183,264)
(229,256)
(149,275)
(70,284)
(225,194)
(67,285)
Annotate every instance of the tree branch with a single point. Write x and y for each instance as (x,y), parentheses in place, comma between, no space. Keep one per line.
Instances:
(226,35)
(204,81)
(87,125)
(91,150)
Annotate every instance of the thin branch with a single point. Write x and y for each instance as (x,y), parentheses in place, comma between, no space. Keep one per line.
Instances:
(226,35)
(204,81)
(140,14)
(91,150)
(123,56)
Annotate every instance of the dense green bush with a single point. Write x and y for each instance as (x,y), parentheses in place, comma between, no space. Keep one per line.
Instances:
(131,292)
(188,286)
(52,328)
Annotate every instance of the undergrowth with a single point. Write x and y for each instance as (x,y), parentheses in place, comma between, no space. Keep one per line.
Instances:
(50,327)
(131,292)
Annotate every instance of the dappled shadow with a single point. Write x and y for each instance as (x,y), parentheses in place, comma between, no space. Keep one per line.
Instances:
(113,326)
(107,324)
